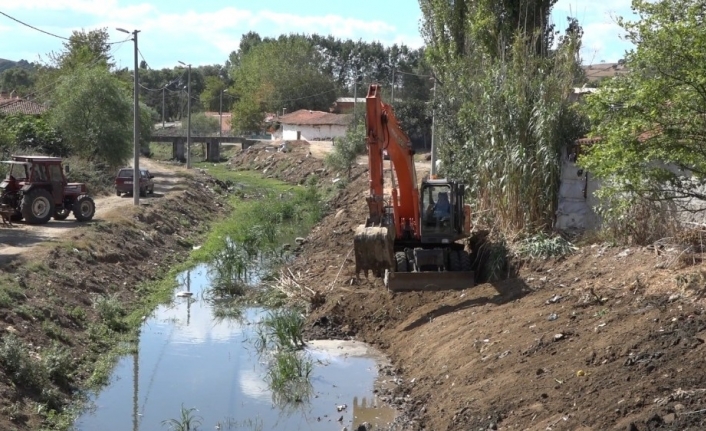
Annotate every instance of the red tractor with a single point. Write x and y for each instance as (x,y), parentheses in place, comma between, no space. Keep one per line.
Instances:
(35,189)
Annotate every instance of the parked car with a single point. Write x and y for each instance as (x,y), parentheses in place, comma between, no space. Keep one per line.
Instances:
(124,180)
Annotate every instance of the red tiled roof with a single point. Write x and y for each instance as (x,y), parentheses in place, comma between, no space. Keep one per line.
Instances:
(315,118)
(21,106)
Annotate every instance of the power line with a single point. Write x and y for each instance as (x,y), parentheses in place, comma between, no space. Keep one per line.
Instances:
(33,27)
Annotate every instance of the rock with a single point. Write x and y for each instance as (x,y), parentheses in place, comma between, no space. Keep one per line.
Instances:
(679,407)
(340,419)
(341,407)
(492,426)
(365,426)
(339,213)
(632,427)
(558,337)
(299,240)
(552,317)
(669,418)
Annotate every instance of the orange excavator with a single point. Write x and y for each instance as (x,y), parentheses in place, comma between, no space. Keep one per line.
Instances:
(410,239)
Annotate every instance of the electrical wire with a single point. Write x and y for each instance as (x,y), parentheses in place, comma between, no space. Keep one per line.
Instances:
(33,27)
(143,58)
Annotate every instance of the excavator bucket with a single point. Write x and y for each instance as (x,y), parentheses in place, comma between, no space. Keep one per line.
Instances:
(374,250)
(429,281)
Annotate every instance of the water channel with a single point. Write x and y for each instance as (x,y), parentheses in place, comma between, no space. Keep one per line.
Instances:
(189,358)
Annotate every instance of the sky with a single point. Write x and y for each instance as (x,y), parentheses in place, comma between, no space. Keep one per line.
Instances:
(207,31)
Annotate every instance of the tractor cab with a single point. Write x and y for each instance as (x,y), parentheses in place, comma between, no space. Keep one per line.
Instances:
(443,211)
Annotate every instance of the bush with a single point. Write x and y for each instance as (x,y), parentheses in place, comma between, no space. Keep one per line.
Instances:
(344,154)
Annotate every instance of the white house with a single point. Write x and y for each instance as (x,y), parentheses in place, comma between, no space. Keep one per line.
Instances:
(311,126)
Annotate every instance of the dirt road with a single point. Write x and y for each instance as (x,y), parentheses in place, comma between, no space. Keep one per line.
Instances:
(21,238)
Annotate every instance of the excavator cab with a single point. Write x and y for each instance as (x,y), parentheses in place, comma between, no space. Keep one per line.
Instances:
(442,211)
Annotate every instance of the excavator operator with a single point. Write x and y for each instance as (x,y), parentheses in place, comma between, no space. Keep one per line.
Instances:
(442,209)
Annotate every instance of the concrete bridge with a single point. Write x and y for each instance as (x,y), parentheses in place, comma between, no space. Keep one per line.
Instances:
(213,143)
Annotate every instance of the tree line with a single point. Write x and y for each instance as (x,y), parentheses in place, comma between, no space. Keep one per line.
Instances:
(504,73)
(263,75)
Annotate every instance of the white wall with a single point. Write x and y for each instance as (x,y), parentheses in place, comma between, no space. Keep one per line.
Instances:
(310,133)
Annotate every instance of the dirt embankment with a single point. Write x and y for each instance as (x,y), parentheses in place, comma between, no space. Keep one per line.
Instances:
(48,289)
(606,339)
(292,162)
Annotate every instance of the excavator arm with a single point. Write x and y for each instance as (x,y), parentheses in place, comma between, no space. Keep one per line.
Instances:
(374,242)
(385,134)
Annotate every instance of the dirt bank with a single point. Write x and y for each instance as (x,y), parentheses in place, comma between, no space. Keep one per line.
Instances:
(608,338)
(68,294)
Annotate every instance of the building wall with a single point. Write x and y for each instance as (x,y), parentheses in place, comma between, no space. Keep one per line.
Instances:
(577,199)
(309,133)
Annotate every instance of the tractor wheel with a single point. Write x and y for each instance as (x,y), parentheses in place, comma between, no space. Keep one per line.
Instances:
(84,208)
(61,214)
(465,258)
(454,261)
(401,258)
(37,206)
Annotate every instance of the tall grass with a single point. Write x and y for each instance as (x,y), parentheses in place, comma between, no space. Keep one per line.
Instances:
(289,377)
(504,124)
(254,233)
(281,329)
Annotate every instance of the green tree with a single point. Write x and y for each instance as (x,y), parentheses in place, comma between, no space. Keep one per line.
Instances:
(17,79)
(211,95)
(279,74)
(83,48)
(202,124)
(346,150)
(653,117)
(502,106)
(94,114)
(32,134)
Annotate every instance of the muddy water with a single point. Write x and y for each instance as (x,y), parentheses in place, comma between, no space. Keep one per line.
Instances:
(188,358)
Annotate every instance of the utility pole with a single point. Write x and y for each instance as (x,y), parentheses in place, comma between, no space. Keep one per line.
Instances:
(433,124)
(393,86)
(136,126)
(220,114)
(163,88)
(355,97)
(188,121)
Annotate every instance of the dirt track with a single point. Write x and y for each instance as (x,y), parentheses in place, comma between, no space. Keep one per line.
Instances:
(21,237)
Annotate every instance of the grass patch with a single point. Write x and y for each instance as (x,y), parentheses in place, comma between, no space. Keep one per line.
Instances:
(542,246)
(282,330)
(246,179)
(288,375)
(188,420)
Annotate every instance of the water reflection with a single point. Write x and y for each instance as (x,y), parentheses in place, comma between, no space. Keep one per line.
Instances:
(190,353)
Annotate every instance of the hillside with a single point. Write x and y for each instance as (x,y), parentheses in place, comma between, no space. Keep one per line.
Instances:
(9,64)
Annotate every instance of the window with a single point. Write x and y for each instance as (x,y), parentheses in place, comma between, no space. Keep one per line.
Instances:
(39,173)
(436,201)
(55,173)
(125,173)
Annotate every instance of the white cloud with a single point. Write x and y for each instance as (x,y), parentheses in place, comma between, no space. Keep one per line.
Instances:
(164,33)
